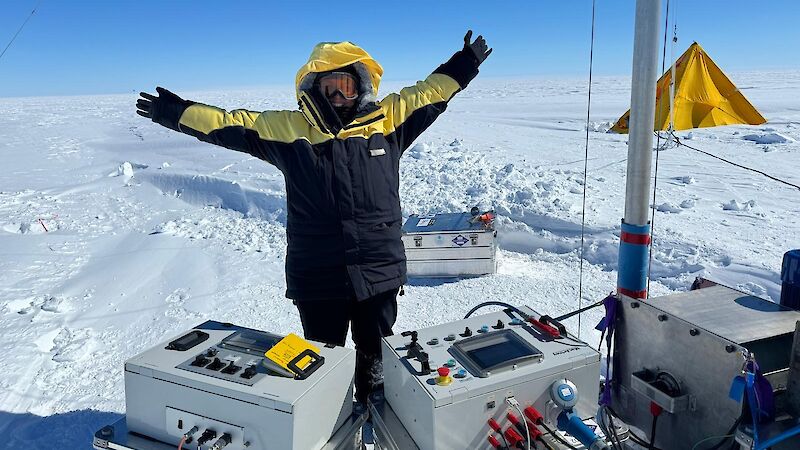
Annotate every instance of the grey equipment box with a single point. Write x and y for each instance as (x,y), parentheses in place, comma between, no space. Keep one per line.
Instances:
(179,384)
(449,245)
(682,352)
(117,437)
(491,359)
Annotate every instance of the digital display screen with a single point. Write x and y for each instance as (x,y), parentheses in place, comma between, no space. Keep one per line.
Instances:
(496,350)
(495,354)
(249,341)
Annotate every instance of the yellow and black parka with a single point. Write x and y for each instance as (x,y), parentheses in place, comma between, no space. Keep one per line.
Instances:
(342,180)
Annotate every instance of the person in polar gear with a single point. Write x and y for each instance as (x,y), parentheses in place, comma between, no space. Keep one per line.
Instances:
(340,155)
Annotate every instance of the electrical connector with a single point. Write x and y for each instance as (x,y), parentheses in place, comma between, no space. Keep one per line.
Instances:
(494,442)
(206,436)
(513,438)
(494,425)
(534,415)
(512,401)
(222,442)
(189,435)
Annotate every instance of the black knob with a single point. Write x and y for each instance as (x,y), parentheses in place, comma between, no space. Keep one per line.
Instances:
(211,352)
(500,325)
(200,361)
(249,372)
(694,331)
(426,367)
(467,332)
(413,335)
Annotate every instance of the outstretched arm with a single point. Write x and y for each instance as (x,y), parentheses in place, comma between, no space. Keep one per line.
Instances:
(236,130)
(415,108)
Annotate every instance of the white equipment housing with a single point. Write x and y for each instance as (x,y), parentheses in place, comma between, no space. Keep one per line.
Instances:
(167,392)
(492,363)
(449,245)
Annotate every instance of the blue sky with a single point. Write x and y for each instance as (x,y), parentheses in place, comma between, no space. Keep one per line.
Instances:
(115,46)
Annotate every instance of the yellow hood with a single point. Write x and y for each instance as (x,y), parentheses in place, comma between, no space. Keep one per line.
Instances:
(328,56)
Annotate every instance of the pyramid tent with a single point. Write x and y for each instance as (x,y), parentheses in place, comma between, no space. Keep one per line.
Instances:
(704,97)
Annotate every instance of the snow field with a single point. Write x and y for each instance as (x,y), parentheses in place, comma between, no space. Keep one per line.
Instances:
(150,232)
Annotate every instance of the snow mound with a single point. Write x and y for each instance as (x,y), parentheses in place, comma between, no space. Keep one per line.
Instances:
(240,233)
(203,190)
(768,138)
(126,169)
(668,207)
(600,127)
(733,205)
(688,179)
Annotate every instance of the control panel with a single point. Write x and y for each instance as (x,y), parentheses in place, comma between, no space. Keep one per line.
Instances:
(239,358)
(446,382)
(213,387)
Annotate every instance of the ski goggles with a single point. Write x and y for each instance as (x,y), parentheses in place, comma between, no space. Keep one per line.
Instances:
(343,82)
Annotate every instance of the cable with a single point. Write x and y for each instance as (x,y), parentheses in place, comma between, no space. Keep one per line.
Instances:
(515,404)
(631,434)
(183,441)
(578,311)
(497,303)
(585,171)
(680,143)
(658,152)
(557,437)
(724,438)
(653,433)
(20,28)
(730,433)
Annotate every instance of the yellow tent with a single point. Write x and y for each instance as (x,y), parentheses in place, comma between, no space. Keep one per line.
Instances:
(704,97)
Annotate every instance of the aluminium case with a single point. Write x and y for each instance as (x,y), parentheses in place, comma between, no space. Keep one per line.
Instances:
(449,245)
(699,337)
(275,412)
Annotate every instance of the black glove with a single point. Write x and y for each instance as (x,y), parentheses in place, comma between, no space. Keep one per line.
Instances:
(477,48)
(166,109)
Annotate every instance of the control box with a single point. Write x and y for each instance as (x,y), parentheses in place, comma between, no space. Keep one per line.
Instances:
(445,382)
(215,380)
(450,244)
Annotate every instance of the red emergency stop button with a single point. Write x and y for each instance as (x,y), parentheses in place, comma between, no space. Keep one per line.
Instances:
(444,377)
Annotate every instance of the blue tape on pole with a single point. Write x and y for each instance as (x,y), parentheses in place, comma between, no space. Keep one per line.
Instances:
(633,260)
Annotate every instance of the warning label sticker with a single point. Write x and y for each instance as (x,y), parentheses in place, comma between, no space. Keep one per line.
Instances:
(424,222)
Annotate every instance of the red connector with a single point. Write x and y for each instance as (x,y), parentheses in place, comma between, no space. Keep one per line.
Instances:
(513,437)
(552,331)
(533,430)
(494,425)
(655,409)
(533,415)
(494,442)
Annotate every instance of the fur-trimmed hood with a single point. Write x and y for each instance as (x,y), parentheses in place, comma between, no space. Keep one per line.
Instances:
(328,56)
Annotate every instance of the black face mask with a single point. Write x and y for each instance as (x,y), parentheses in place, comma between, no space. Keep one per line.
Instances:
(345,113)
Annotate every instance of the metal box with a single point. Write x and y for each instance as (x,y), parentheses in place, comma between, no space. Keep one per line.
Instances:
(449,245)
(454,416)
(682,352)
(165,395)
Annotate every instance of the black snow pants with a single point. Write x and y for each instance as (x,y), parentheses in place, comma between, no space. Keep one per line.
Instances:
(328,320)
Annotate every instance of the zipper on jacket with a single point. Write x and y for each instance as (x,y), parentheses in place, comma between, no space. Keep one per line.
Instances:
(308,104)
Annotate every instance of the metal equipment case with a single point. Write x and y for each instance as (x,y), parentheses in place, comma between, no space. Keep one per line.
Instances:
(166,394)
(449,245)
(454,416)
(694,342)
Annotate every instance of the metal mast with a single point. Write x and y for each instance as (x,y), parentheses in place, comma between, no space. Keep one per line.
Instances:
(635,236)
